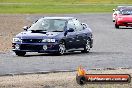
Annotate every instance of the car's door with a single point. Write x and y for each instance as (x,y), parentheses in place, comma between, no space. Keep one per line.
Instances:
(71,36)
(79,34)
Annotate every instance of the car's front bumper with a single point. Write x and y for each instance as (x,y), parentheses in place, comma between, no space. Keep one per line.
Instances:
(124,23)
(35,47)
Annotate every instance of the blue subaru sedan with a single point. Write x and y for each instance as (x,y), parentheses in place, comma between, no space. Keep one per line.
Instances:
(56,35)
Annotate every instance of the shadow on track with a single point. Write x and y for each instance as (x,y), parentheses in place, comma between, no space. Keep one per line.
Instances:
(130,28)
(74,54)
(51,54)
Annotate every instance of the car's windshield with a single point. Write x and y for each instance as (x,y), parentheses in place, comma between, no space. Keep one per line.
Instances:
(55,25)
(120,8)
(126,12)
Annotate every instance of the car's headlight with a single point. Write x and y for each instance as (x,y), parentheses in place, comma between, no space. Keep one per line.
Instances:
(48,40)
(16,40)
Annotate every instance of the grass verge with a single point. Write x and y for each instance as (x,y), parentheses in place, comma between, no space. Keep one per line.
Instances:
(66,8)
(59,6)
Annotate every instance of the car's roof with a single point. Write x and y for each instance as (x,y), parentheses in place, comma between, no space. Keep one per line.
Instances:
(123,7)
(64,18)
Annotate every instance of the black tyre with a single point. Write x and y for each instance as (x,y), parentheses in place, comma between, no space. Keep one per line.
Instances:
(20,53)
(62,48)
(116,26)
(86,47)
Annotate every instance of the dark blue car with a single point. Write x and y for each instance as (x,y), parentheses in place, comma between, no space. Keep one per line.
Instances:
(54,35)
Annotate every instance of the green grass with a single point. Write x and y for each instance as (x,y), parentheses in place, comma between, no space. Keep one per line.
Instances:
(69,1)
(59,6)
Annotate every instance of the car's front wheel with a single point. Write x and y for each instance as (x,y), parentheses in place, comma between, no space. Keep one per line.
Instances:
(62,48)
(86,47)
(20,53)
(116,26)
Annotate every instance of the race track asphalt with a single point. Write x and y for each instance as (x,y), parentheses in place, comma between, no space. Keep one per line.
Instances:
(112,48)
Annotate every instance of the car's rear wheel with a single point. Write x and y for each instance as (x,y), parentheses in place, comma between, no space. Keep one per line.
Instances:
(62,48)
(20,53)
(116,26)
(86,47)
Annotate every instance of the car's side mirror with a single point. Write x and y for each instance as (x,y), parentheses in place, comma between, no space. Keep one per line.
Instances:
(85,25)
(70,30)
(25,28)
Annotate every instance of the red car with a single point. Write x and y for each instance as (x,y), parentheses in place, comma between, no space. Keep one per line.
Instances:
(124,18)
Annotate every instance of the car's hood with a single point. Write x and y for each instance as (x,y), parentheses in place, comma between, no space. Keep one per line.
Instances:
(129,17)
(37,35)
